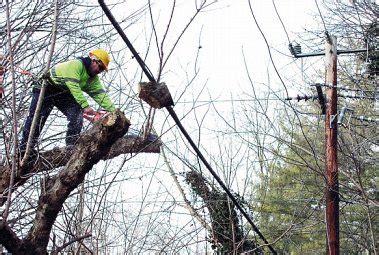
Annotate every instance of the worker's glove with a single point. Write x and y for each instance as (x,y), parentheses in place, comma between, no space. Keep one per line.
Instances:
(91,115)
(89,111)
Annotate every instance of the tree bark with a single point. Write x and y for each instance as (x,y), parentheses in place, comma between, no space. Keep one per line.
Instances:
(93,145)
(59,157)
(9,239)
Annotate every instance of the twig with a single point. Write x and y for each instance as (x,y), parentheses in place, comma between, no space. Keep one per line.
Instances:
(42,92)
(14,158)
(76,239)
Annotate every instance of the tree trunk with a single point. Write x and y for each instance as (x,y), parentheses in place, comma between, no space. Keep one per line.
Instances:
(92,146)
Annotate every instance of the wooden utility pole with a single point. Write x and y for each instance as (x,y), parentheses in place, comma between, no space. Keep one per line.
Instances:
(331,166)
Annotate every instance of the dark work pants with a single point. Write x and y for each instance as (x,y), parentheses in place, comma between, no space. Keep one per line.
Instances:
(65,103)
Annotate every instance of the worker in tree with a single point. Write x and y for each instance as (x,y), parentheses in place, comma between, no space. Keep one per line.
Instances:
(65,84)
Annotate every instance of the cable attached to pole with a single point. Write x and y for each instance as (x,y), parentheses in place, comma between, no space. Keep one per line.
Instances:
(181,127)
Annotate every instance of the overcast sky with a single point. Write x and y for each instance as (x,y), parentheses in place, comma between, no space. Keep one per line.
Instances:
(224,31)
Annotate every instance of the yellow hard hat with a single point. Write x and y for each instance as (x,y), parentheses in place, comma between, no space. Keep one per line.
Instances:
(101,55)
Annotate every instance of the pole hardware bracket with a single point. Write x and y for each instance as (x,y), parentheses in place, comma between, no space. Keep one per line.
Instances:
(342,114)
(332,119)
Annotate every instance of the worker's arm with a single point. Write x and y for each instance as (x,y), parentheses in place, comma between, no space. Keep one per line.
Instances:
(97,92)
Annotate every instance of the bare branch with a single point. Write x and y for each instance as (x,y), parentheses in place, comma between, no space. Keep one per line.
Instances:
(92,146)
(9,239)
(76,239)
(59,157)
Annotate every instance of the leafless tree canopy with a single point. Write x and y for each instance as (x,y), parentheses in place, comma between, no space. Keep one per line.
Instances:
(134,185)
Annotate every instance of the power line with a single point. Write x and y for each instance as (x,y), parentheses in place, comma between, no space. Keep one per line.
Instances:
(228,100)
(315,54)
(280,19)
(322,18)
(356,96)
(268,48)
(346,88)
(365,118)
(303,97)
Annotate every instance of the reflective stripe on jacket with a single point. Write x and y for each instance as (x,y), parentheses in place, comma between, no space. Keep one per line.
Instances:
(72,75)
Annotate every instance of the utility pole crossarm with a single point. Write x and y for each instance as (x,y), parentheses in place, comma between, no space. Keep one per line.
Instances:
(339,52)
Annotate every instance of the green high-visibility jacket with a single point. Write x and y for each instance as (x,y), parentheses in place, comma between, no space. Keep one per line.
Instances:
(72,75)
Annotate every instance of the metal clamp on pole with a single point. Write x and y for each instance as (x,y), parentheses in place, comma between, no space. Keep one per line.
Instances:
(342,114)
(332,119)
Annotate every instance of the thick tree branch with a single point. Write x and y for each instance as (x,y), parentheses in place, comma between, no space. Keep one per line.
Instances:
(92,146)
(9,239)
(59,157)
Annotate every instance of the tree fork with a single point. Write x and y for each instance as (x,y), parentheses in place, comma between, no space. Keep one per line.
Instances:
(92,146)
(59,157)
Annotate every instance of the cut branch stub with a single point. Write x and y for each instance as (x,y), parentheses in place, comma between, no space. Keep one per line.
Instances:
(58,157)
(156,95)
(91,147)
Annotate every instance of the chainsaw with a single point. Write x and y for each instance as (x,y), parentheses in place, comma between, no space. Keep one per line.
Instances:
(95,117)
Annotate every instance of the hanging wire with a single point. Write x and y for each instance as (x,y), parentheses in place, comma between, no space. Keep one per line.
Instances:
(365,118)
(346,88)
(280,19)
(322,18)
